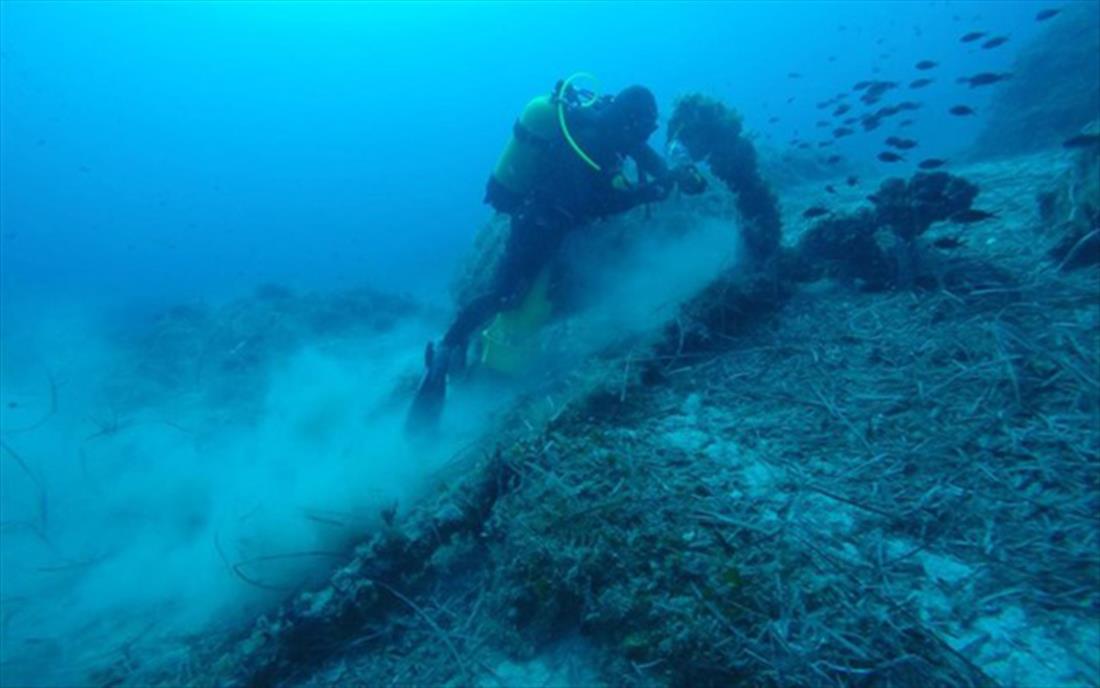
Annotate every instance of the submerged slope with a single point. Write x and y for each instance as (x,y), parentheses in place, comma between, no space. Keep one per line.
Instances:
(894,488)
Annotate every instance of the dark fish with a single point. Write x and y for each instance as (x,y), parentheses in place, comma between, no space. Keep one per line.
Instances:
(824,144)
(931,163)
(841,109)
(961,110)
(821,123)
(852,181)
(900,143)
(816,211)
(833,159)
(994,42)
(791,99)
(829,188)
(1082,141)
(860,85)
(773,120)
(920,83)
(842,131)
(1043,15)
(794,75)
(906,105)
(972,36)
(948,242)
(851,120)
(926,64)
(965,217)
(983,79)
(905,123)
(832,58)
(887,156)
(804,145)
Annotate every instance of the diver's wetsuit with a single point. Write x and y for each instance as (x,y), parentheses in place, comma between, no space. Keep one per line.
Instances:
(567,194)
(535,236)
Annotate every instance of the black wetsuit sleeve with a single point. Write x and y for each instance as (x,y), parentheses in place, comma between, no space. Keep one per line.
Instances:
(650,162)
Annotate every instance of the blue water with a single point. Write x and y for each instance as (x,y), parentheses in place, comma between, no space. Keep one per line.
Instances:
(157,153)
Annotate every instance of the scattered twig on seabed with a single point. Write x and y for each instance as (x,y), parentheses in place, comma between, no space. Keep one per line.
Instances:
(431,623)
(40,485)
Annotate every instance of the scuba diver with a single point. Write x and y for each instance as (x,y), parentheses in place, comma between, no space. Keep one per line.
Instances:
(561,169)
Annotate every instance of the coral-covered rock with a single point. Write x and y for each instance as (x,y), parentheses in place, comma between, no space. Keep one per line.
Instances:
(711,131)
(910,208)
(1070,210)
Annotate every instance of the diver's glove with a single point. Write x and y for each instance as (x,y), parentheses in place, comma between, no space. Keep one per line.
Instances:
(689,179)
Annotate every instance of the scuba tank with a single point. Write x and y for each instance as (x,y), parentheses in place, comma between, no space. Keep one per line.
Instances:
(541,124)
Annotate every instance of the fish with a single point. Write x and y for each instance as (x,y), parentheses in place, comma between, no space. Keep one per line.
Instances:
(842,131)
(824,144)
(931,163)
(815,211)
(790,100)
(994,42)
(971,215)
(852,180)
(841,109)
(794,75)
(804,145)
(832,159)
(1043,15)
(1081,141)
(821,123)
(972,36)
(961,110)
(850,120)
(983,79)
(900,143)
(920,83)
(861,85)
(887,156)
(773,120)
(830,189)
(905,123)
(948,242)
(926,64)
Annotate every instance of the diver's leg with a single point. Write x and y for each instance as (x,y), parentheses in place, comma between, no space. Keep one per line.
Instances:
(530,244)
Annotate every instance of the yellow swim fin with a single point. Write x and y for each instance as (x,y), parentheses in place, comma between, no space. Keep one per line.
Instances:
(510,342)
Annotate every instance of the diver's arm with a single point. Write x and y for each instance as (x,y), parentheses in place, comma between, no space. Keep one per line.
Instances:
(618,200)
(650,162)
